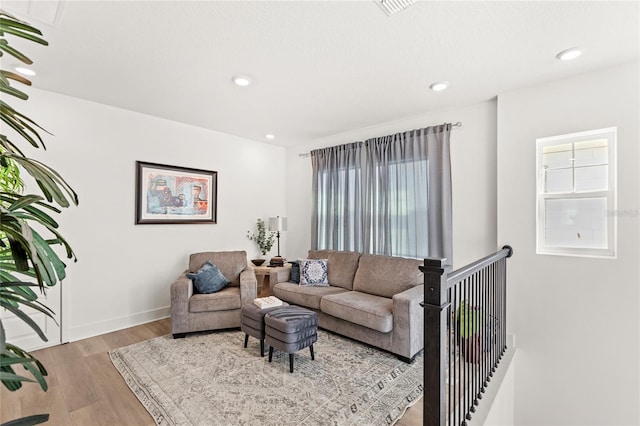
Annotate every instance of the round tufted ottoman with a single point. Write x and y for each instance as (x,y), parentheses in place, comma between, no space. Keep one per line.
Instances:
(252,323)
(290,329)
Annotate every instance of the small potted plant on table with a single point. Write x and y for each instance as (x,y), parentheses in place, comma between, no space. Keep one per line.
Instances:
(263,239)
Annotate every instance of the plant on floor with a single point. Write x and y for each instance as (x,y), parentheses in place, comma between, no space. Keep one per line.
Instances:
(28,231)
(263,239)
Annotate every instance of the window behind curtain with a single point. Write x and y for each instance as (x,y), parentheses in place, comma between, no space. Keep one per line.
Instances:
(374,197)
(397,215)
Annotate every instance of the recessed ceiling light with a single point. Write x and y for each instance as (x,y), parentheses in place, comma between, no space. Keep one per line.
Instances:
(25,71)
(439,86)
(569,54)
(269,136)
(241,80)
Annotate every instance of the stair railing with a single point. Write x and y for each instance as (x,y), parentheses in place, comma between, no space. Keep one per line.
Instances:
(464,334)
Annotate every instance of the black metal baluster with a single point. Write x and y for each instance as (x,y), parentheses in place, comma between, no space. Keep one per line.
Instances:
(495,296)
(463,355)
(467,354)
(491,295)
(450,349)
(459,326)
(485,309)
(472,370)
(504,304)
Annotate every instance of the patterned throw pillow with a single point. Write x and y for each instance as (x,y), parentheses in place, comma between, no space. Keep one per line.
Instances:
(208,279)
(313,272)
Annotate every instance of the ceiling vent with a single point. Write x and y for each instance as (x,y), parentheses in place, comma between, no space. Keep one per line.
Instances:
(392,6)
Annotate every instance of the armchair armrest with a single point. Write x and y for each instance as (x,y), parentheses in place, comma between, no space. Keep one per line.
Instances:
(181,291)
(408,320)
(248,286)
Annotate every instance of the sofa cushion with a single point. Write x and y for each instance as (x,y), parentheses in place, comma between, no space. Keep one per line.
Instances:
(385,275)
(208,279)
(307,296)
(226,299)
(231,263)
(313,272)
(342,266)
(360,308)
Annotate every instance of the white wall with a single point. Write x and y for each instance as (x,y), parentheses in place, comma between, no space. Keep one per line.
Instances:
(576,319)
(473,159)
(124,270)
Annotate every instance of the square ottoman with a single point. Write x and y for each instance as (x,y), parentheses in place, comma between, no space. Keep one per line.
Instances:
(252,322)
(291,329)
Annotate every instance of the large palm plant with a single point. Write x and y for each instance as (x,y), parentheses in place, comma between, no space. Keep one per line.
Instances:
(28,260)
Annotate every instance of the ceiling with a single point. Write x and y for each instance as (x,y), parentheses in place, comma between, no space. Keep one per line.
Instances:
(319,68)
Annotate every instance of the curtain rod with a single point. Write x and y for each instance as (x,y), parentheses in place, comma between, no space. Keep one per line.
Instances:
(308,154)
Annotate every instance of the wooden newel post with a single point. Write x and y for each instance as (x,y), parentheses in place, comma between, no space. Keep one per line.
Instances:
(435,327)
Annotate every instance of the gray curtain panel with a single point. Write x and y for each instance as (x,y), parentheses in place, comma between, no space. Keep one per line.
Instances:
(389,195)
(337,198)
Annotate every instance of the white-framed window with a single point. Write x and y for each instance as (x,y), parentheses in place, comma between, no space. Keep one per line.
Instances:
(576,194)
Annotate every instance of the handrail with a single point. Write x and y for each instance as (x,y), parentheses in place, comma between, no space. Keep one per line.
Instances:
(466,271)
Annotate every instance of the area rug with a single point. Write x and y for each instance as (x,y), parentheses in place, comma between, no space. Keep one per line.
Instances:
(211,379)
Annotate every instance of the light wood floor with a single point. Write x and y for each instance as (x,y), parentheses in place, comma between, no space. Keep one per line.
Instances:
(86,390)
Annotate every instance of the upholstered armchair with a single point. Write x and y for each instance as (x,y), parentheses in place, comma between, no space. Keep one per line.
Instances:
(191,311)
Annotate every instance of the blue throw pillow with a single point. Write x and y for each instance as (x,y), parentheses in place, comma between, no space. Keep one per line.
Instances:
(294,276)
(314,272)
(208,279)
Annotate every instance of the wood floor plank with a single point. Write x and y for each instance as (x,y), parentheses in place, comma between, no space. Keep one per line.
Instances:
(76,380)
(10,404)
(115,392)
(136,334)
(91,346)
(161,327)
(31,399)
(96,414)
(413,416)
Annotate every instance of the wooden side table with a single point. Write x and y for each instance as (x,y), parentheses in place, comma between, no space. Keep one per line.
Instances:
(266,271)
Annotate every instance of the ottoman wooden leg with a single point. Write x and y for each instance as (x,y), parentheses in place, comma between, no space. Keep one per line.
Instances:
(312,356)
(270,353)
(291,363)
(261,347)
(246,339)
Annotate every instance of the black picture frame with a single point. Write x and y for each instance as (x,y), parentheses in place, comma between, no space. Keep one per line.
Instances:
(175,195)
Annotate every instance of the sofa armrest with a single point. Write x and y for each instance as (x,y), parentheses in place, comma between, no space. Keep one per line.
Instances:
(248,286)
(408,321)
(181,291)
(279,275)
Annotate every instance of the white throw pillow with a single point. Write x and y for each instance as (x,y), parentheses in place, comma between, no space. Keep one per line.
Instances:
(313,272)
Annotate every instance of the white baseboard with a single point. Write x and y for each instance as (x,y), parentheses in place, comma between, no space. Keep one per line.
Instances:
(115,324)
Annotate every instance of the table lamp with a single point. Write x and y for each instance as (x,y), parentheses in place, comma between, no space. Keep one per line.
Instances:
(277,224)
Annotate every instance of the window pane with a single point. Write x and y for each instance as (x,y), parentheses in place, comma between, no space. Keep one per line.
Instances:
(576,223)
(593,178)
(558,181)
(591,152)
(557,156)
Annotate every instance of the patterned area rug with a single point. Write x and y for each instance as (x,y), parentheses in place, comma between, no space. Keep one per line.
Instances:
(210,379)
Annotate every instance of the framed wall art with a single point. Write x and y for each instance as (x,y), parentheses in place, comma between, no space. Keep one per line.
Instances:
(171,194)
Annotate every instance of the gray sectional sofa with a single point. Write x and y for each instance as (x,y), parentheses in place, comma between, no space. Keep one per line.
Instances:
(371,298)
